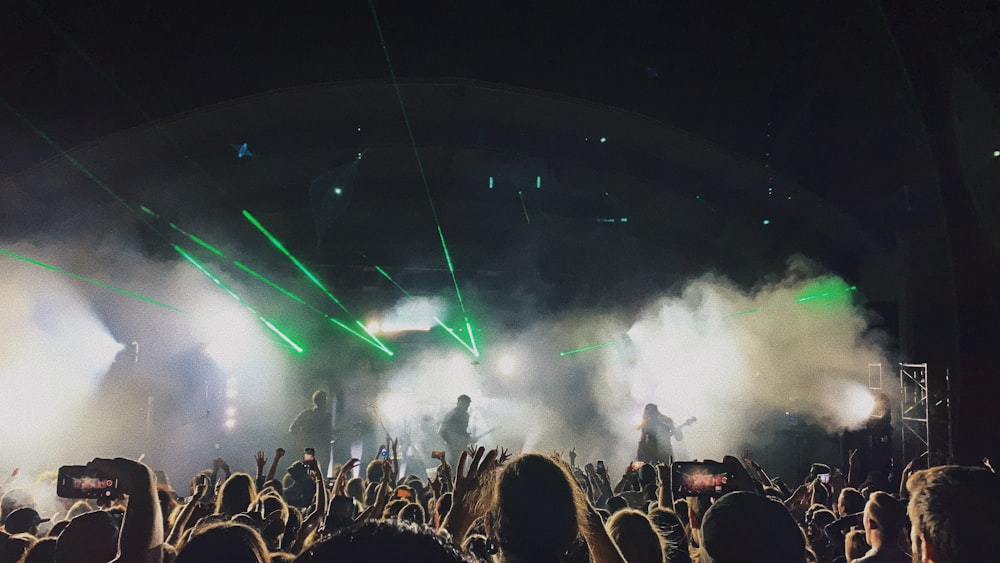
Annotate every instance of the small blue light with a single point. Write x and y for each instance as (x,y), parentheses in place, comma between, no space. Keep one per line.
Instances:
(338,191)
(767,221)
(538,182)
(491,182)
(624,219)
(604,139)
(243,151)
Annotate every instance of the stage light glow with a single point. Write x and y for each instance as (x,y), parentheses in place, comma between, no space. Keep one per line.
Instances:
(412,314)
(538,182)
(491,182)
(996,154)
(270,326)
(338,191)
(373,326)
(507,364)
(858,404)
(230,423)
(604,139)
(231,412)
(766,222)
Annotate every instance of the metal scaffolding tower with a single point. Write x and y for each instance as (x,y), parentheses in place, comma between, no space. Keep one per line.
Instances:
(915,423)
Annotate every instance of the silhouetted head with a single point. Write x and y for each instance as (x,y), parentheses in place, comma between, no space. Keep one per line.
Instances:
(319,399)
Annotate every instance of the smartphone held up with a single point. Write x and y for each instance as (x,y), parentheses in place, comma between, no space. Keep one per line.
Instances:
(79,481)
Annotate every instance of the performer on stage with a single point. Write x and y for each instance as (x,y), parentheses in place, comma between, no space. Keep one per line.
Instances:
(455,429)
(657,429)
(313,427)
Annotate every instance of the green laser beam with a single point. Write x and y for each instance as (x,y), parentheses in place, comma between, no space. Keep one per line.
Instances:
(416,154)
(260,277)
(281,247)
(801,299)
(524,207)
(257,275)
(62,152)
(268,324)
(474,349)
(451,332)
(122,93)
(90,281)
(472,337)
(388,277)
(593,347)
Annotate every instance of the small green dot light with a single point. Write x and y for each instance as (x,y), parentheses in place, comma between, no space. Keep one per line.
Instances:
(767,221)
(338,191)
(996,154)
(604,139)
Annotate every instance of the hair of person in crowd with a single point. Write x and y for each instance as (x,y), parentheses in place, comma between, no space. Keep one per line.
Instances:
(537,510)
(850,501)
(238,492)
(89,538)
(42,551)
(412,512)
(953,514)
(224,541)
(668,524)
(319,399)
(635,536)
(384,541)
(744,527)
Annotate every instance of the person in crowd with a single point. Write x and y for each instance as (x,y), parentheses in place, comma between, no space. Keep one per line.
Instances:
(227,541)
(744,527)
(884,520)
(953,514)
(535,511)
(671,530)
(385,541)
(632,531)
(23,521)
(855,546)
(43,551)
(454,429)
(236,495)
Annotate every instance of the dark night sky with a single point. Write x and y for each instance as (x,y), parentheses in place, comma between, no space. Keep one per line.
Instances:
(827,78)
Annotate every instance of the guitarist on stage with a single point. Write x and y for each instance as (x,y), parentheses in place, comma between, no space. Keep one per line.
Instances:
(454,429)
(657,430)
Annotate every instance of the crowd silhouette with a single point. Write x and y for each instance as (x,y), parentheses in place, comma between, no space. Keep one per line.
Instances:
(493,505)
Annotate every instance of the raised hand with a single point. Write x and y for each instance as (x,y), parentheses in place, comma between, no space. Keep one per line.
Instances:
(572,456)
(504,457)
(469,482)
(279,453)
(261,461)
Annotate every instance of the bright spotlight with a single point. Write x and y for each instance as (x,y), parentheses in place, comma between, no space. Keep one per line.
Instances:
(373,327)
(231,412)
(230,423)
(858,405)
(507,364)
